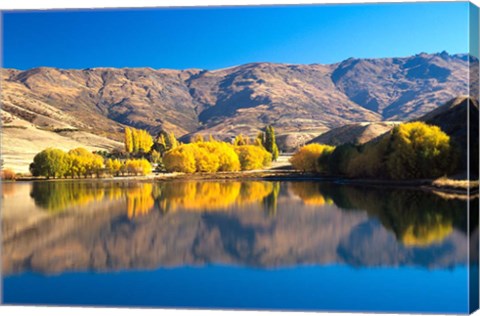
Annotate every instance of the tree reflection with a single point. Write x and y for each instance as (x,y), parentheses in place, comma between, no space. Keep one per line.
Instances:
(58,196)
(139,200)
(213,196)
(309,193)
(417,218)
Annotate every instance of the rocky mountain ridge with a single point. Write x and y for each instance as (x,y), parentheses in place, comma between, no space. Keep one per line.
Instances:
(297,100)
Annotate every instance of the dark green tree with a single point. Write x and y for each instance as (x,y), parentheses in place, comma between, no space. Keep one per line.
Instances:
(270,142)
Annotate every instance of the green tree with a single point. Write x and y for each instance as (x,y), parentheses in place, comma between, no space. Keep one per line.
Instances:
(49,163)
(164,142)
(270,142)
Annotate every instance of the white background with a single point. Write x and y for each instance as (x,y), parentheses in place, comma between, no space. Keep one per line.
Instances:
(49,4)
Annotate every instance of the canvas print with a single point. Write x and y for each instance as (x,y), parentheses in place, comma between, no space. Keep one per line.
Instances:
(302,157)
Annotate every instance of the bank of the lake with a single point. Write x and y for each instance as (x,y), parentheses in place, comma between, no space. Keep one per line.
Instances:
(451,187)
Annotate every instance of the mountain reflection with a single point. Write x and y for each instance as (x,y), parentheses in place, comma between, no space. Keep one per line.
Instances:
(95,225)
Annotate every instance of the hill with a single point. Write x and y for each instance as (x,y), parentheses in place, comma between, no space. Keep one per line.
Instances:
(452,119)
(354,133)
(299,100)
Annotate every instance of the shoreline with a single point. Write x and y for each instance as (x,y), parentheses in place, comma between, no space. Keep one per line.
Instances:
(285,175)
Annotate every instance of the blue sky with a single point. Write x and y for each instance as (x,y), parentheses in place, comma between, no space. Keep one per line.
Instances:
(212,38)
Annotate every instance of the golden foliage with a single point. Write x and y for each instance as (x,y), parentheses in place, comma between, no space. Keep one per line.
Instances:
(113,166)
(420,150)
(307,157)
(205,161)
(128,140)
(227,158)
(180,159)
(213,156)
(137,140)
(83,162)
(137,167)
(253,157)
(241,140)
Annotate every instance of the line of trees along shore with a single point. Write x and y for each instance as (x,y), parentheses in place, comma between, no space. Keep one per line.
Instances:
(142,152)
(79,162)
(410,151)
(413,150)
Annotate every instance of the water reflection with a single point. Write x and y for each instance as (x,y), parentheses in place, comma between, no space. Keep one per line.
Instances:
(416,218)
(120,225)
(310,193)
(141,197)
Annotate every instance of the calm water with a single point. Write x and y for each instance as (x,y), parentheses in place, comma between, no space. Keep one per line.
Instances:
(252,245)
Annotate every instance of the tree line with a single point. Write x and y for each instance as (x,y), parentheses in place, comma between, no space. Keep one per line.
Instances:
(413,150)
(165,152)
(79,162)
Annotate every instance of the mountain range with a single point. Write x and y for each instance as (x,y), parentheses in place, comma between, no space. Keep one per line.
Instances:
(88,105)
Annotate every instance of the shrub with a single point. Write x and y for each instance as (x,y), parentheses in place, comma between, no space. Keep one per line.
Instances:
(8,174)
(253,157)
(307,158)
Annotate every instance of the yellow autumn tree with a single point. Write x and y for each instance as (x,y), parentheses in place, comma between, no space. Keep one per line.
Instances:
(180,159)
(84,162)
(419,150)
(137,166)
(113,166)
(205,161)
(253,157)
(307,157)
(137,140)
(227,158)
(128,140)
(145,141)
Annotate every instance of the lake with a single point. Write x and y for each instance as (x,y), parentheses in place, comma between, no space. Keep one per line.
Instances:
(286,245)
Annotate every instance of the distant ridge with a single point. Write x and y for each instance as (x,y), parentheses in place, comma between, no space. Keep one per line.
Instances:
(298,100)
